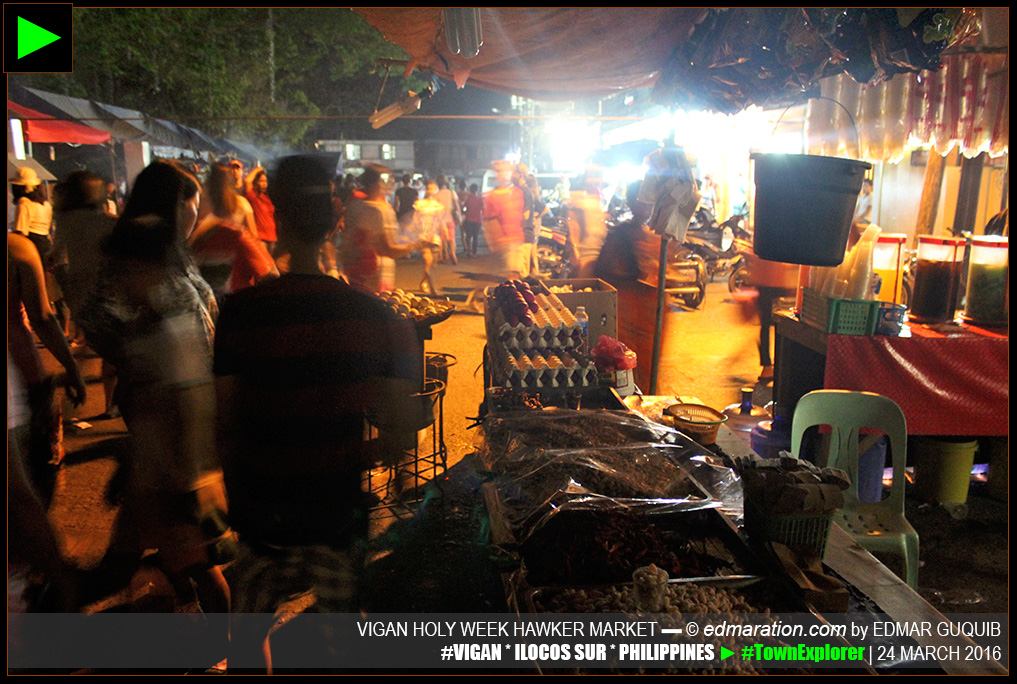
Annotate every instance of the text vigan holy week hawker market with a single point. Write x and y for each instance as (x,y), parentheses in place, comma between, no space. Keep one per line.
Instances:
(507,341)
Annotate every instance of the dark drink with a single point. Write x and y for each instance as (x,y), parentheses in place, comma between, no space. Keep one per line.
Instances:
(934,293)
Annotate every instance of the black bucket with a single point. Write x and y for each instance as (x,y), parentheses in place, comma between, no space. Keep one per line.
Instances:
(803,207)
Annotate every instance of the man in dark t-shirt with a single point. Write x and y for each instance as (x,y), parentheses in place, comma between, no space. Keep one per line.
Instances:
(405,197)
(302,363)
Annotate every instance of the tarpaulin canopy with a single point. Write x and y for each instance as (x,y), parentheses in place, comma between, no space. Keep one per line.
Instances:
(544,53)
(714,59)
(43,128)
(55,117)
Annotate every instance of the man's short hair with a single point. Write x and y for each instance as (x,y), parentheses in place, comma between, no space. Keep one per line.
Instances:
(301,191)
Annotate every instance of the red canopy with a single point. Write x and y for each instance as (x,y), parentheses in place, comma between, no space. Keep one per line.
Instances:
(42,128)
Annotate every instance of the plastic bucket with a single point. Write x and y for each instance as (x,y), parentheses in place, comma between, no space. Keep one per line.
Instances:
(943,469)
(803,207)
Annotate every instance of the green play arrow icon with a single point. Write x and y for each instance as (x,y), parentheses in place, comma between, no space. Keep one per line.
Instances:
(725,654)
(32,37)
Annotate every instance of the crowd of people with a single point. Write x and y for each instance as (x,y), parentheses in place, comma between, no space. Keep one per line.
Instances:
(222,308)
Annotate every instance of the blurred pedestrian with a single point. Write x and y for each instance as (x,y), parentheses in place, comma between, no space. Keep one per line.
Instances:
(236,168)
(153,316)
(83,224)
(405,197)
(503,221)
(29,311)
(429,225)
(221,202)
(370,240)
(473,218)
(587,228)
(863,213)
(113,204)
(32,546)
(33,216)
(450,201)
(228,254)
(529,246)
(262,207)
(771,280)
(538,212)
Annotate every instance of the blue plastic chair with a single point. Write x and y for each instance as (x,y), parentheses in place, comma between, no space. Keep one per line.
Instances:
(881,526)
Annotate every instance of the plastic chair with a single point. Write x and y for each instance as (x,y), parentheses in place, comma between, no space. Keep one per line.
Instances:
(877,526)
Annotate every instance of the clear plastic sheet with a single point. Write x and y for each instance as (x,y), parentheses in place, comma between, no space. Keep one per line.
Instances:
(722,482)
(641,478)
(632,471)
(512,434)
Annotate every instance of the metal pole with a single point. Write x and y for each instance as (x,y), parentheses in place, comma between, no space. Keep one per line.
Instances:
(659,320)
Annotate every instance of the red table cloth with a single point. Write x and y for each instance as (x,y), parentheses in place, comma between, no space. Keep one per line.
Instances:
(955,382)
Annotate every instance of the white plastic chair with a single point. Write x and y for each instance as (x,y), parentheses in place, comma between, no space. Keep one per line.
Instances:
(877,526)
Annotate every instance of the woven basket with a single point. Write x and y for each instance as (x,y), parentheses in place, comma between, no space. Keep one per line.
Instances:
(700,422)
(796,531)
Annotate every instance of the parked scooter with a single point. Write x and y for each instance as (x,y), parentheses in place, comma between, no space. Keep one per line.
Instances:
(552,246)
(723,248)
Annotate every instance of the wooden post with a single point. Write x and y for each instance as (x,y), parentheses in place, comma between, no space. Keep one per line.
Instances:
(929,205)
(967,195)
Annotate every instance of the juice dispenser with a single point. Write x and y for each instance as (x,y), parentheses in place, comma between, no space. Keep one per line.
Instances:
(988,278)
(888,263)
(937,275)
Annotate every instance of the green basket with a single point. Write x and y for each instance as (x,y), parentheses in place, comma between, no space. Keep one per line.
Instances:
(796,531)
(839,316)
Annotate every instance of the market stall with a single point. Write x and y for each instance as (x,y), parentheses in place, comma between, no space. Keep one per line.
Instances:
(599,504)
(604,506)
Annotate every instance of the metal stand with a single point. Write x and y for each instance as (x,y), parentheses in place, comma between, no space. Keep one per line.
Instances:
(402,485)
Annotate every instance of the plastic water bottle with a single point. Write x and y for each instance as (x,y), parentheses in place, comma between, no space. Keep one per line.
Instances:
(584,323)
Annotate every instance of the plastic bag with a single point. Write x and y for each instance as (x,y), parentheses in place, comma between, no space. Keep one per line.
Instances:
(611,355)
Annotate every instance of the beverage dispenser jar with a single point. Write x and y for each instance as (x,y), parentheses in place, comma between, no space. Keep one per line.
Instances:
(986,300)
(937,275)
(887,263)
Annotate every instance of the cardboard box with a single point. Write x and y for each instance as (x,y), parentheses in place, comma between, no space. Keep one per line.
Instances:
(601,303)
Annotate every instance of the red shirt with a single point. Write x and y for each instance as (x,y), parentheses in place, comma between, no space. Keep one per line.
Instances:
(229,258)
(264,215)
(473,206)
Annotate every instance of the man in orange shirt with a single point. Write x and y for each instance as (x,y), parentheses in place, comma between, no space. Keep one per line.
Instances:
(503,221)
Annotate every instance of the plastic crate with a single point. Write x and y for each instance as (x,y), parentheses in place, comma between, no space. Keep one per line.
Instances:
(796,531)
(839,316)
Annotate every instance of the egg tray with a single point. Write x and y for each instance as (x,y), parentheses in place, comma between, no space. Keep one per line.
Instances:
(554,326)
(542,369)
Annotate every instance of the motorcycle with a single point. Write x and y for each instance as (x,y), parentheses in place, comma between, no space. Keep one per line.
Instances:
(552,246)
(723,248)
(686,278)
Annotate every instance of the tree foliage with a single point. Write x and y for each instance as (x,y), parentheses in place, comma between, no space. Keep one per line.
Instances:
(255,74)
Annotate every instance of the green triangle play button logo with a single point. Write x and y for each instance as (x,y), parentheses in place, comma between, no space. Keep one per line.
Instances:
(32,37)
